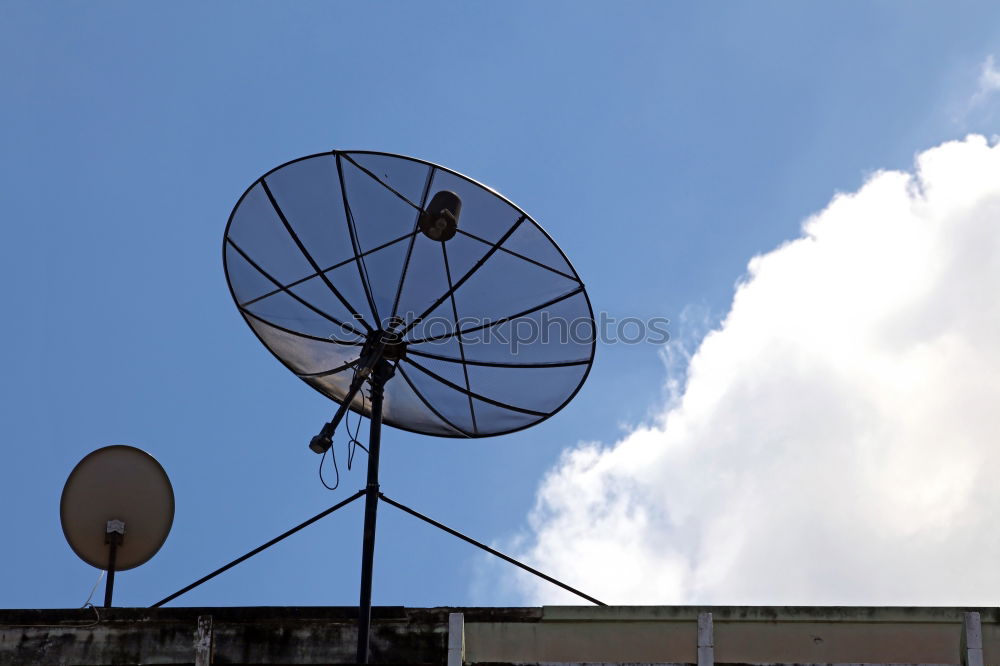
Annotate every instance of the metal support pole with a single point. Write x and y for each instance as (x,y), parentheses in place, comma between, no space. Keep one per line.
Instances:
(382,372)
(110,585)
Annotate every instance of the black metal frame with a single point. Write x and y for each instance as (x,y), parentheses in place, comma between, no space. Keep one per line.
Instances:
(377,370)
(461,343)
(381,372)
(109,585)
(328,269)
(262,547)
(285,288)
(491,551)
(502,320)
(358,258)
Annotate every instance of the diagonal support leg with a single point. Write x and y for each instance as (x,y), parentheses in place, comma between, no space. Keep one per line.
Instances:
(491,551)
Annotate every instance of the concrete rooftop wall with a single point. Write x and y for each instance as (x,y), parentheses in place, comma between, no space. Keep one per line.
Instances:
(554,634)
(757,635)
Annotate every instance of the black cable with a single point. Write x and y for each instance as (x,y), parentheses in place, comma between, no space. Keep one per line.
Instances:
(353,442)
(352,438)
(333,456)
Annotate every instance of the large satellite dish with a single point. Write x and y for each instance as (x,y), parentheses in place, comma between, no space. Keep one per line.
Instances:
(116,509)
(357,267)
(490,327)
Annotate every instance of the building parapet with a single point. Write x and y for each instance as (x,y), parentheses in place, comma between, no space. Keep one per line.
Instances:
(694,636)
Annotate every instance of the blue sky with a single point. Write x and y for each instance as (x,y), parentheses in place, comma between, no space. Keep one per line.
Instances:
(661,144)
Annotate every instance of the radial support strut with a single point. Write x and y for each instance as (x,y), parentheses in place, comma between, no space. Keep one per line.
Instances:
(380,374)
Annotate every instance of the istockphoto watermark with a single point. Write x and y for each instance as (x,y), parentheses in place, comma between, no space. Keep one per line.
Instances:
(515,334)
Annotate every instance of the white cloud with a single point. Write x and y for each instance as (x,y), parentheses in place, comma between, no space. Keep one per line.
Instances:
(989,81)
(838,436)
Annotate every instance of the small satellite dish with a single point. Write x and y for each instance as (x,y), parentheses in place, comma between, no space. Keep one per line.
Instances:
(116,509)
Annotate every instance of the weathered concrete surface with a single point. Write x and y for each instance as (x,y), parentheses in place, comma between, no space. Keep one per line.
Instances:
(640,641)
(755,635)
(258,635)
(564,634)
